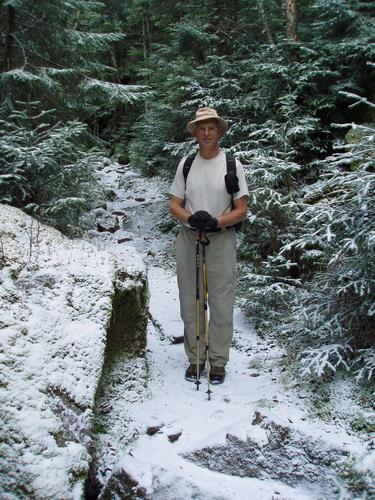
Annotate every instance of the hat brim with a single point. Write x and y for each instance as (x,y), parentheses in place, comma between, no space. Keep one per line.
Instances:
(191,125)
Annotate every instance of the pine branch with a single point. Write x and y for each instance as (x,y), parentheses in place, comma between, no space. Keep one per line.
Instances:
(359,100)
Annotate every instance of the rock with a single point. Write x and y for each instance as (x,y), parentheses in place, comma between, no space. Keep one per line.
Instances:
(108,224)
(258,418)
(127,328)
(174,437)
(154,429)
(110,194)
(167,225)
(177,339)
(106,163)
(284,454)
(139,199)
(63,301)
(122,485)
(99,211)
(120,213)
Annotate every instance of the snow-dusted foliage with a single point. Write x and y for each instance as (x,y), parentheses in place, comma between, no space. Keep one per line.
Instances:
(335,317)
(57,80)
(74,70)
(46,167)
(307,242)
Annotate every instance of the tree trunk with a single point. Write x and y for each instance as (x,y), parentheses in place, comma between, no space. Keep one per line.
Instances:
(290,7)
(145,35)
(263,16)
(8,63)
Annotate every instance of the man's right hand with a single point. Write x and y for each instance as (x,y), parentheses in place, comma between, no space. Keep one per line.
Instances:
(202,220)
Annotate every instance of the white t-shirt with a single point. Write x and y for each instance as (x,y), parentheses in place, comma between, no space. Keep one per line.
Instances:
(205,185)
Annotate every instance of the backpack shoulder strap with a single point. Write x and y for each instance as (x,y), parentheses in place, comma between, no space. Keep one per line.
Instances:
(231,181)
(231,164)
(187,165)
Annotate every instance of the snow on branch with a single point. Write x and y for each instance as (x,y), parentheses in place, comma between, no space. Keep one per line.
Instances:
(179,149)
(21,76)
(83,4)
(316,361)
(367,359)
(114,92)
(97,41)
(359,100)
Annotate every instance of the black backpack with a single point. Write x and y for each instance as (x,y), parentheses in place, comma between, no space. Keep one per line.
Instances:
(231,179)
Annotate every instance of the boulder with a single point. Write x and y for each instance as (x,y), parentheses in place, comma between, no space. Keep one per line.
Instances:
(275,450)
(61,301)
(108,223)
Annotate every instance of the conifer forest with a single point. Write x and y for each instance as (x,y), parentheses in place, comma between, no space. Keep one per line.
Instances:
(83,82)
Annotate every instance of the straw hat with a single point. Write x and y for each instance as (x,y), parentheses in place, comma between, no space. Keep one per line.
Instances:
(206,114)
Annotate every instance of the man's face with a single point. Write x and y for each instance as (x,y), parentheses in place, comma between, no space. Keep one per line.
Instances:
(207,132)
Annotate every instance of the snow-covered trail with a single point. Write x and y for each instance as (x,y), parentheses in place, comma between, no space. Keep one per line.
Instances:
(176,406)
(160,428)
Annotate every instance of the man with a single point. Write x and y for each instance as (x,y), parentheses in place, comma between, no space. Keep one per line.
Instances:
(204,206)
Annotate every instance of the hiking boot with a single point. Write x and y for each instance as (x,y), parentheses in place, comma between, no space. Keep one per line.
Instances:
(191,372)
(177,339)
(217,375)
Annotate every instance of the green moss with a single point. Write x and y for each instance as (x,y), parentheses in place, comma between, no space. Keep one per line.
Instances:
(360,423)
(128,324)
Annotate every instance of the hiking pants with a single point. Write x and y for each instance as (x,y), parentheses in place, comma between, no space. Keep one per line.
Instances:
(220,267)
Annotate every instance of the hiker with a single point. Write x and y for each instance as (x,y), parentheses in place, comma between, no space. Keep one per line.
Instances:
(202,202)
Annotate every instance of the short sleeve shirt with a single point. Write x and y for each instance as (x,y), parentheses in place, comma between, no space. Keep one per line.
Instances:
(205,185)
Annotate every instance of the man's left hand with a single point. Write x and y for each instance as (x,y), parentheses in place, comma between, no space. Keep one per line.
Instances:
(211,224)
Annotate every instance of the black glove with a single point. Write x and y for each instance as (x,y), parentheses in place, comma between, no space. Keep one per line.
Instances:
(202,220)
(211,224)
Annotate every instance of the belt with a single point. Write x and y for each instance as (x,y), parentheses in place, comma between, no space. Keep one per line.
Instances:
(217,230)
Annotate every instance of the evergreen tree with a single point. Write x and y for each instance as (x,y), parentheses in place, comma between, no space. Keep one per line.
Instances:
(281,90)
(48,170)
(281,72)
(332,321)
(57,62)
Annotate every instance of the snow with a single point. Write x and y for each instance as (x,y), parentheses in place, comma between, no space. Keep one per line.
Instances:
(167,402)
(177,406)
(55,308)
(367,464)
(54,319)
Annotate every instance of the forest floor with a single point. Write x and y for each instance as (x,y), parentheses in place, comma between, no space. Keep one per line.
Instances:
(263,435)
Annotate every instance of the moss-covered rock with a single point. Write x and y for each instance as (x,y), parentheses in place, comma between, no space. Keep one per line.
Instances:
(64,305)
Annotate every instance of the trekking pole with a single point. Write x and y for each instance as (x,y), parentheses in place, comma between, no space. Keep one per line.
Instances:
(204,243)
(197,308)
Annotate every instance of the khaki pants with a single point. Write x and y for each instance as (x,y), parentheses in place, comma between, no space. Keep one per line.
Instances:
(220,265)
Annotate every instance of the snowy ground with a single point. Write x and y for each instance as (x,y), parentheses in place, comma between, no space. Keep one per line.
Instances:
(156,432)
(173,406)
(55,305)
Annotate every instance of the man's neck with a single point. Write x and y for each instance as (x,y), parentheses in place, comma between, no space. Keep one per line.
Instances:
(209,153)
